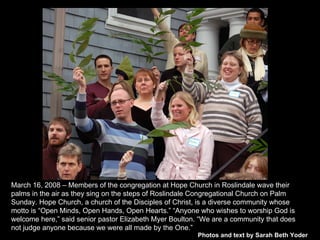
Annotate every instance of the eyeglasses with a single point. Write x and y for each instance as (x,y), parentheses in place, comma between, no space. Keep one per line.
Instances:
(121,102)
(252,42)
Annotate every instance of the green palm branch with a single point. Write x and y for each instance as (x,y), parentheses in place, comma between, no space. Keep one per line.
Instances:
(79,45)
(163,131)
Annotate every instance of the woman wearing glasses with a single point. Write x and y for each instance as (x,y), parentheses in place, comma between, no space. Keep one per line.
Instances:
(254,58)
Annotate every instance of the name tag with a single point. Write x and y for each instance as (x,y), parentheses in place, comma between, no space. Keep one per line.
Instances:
(197,58)
(234,93)
(194,142)
(143,137)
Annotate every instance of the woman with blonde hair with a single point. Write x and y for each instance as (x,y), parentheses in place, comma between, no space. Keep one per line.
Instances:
(188,154)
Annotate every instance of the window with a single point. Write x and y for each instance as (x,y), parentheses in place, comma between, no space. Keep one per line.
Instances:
(143,13)
(136,21)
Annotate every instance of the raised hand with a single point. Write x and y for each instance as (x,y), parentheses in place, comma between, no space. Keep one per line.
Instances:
(188,58)
(79,77)
(161,91)
(156,73)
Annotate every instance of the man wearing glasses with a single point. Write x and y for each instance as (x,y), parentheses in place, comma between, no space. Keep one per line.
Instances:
(115,136)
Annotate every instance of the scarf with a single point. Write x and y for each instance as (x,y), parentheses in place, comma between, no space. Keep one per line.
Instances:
(259,71)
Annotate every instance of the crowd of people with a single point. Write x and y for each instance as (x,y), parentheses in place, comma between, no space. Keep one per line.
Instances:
(221,115)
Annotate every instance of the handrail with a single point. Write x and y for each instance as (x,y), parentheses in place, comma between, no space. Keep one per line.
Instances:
(236,156)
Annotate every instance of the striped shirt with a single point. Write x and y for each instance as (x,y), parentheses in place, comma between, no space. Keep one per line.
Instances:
(115,138)
(233,116)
